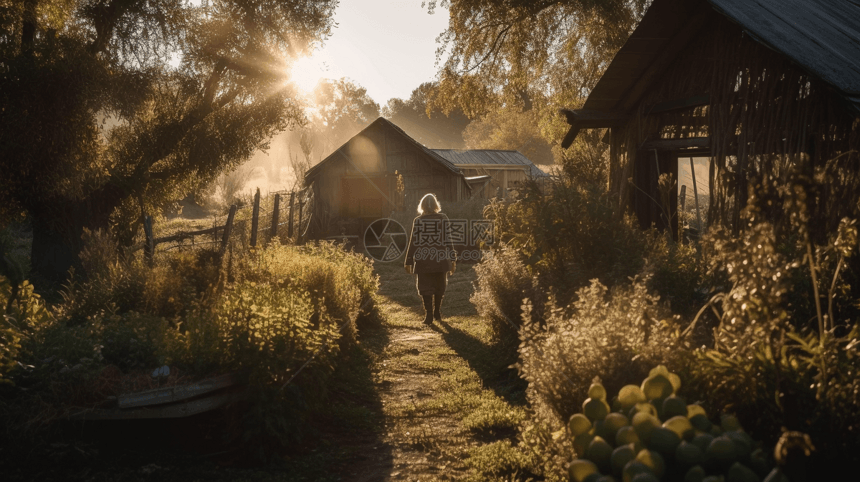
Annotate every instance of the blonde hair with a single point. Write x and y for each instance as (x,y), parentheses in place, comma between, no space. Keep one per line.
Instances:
(429,204)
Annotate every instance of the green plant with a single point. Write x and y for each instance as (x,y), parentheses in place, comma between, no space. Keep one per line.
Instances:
(771,362)
(677,273)
(617,332)
(659,435)
(281,319)
(500,461)
(133,342)
(503,283)
(25,316)
(568,234)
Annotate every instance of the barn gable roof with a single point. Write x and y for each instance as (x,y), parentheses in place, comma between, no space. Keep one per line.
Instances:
(821,36)
(490,157)
(312,172)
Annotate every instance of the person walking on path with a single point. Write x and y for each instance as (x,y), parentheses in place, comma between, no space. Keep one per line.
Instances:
(431,255)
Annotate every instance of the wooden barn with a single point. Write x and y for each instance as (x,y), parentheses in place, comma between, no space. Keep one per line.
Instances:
(492,171)
(768,90)
(358,182)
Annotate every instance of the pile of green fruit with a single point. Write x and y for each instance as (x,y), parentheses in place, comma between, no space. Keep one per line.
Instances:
(649,434)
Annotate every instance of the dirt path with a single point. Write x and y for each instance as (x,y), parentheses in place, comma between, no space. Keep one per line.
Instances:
(442,391)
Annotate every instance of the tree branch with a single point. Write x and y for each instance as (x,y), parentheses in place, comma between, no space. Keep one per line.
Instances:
(212,82)
(172,137)
(105,19)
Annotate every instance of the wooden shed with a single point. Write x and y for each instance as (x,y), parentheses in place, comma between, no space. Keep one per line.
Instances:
(358,183)
(768,90)
(492,170)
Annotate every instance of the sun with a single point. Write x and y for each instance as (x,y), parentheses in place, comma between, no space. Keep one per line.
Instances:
(305,73)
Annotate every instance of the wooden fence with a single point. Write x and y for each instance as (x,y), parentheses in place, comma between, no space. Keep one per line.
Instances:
(282,215)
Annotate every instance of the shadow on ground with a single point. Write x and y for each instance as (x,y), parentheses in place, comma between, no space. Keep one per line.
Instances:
(487,361)
(459,327)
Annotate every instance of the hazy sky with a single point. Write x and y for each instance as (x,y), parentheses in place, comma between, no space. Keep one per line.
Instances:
(685,176)
(386,46)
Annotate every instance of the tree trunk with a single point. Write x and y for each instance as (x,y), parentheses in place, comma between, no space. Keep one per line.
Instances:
(58,224)
(54,251)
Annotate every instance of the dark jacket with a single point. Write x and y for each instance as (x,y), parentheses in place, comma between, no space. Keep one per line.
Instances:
(430,247)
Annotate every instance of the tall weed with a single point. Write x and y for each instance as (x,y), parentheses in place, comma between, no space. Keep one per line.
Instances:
(771,362)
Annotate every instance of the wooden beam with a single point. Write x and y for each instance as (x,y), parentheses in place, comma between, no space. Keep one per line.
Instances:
(569,137)
(590,118)
(673,47)
(676,144)
(678,104)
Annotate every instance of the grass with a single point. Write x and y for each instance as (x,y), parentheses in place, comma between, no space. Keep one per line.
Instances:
(451,392)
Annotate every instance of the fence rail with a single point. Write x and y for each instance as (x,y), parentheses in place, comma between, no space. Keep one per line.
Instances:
(267,220)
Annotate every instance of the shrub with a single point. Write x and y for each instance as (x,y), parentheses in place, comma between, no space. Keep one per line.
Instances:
(499,461)
(340,283)
(569,234)
(503,282)
(619,333)
(133,342)
(677,273)
(773,369)
(25,315)
(111,280)
(281,310)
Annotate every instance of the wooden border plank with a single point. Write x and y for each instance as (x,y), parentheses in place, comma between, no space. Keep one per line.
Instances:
(175,393)
(175,410)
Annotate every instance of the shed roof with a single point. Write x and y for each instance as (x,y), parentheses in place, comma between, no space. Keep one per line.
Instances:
(490,157)
(312,172)
(821,36)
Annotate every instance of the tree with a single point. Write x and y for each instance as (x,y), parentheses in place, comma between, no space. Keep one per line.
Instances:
(99,122)
(510,129)
(514,52)
(342,109)
(425,122)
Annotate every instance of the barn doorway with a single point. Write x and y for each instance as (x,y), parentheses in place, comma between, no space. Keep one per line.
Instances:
(694,195)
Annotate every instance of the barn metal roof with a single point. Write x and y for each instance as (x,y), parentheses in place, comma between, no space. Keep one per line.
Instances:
(821,36)
(489,157)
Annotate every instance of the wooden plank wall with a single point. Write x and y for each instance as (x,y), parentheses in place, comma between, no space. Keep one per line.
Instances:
(381,151)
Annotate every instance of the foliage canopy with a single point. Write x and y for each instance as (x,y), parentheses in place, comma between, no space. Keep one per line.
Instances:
(539,55)
(110,107)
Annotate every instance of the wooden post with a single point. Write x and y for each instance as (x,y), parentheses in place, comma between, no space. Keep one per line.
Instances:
(683,197)
(696,194)
(149,247)
(227,228)
(255,219)
(290,224)
(276,210)
(299,227)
